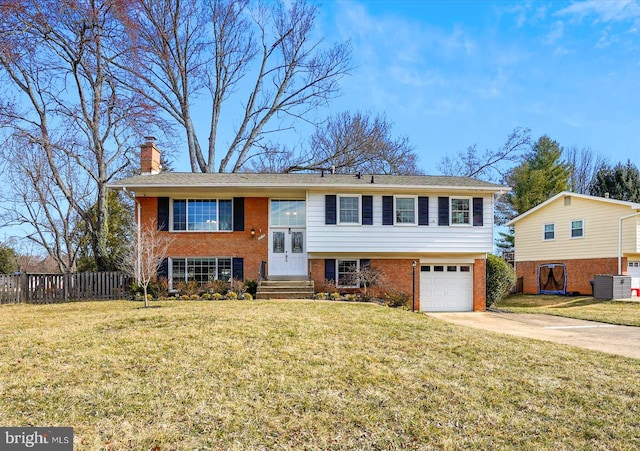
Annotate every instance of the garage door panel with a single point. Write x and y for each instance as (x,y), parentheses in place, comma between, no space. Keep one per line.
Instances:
(450,290)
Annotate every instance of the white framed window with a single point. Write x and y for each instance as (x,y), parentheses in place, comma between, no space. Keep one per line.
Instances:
(288,213)
(460,210)
(577,228)
(348,209)
(549,232)
(347,273)
(202,215)
(202,270)
(405,210)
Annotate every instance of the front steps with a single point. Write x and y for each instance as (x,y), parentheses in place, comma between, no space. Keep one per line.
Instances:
(285,289)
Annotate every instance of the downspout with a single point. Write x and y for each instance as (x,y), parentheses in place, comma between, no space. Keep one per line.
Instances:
(620,240)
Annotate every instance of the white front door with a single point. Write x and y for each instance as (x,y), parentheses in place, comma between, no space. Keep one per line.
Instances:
(287,252)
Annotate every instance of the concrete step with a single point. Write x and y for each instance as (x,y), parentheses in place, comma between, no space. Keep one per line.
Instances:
(285,289)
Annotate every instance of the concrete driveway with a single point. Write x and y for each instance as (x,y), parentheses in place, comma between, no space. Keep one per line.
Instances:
(620,340)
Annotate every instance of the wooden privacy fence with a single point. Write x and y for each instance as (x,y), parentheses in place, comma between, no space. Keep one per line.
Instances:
(52,288)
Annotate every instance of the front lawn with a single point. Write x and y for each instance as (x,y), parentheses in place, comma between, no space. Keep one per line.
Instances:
(303,375)
(580,307)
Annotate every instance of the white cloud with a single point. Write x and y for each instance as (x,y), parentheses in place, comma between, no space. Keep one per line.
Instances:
(556,33)
(602,11)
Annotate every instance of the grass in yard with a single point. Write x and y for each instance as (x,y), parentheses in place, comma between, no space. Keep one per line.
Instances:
(303,375)
(580,307)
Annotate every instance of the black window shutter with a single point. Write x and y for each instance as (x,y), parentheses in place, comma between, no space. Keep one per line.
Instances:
(423,211)
(443,211)
(387,210)
(477,211)
(163,213)
(330,269)
(367,210)
(238,214)
(237,265)
(365,263)
(163,269)
(330,209)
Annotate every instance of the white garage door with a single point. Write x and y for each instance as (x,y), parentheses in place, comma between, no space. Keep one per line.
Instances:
(633,270)
(446,288)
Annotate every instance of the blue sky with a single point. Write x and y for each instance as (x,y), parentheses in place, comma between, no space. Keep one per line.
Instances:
(450,74)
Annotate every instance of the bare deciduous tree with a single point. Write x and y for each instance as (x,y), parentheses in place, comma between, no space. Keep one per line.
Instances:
(34,200)
(61,101)
(148,249)
(347,142)
(263,56)
(584,166)
(491,164)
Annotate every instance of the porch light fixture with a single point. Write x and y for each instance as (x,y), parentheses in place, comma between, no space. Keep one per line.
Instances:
(253,232)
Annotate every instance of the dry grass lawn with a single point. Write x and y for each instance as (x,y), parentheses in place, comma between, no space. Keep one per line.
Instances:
(303,375)
(580,307)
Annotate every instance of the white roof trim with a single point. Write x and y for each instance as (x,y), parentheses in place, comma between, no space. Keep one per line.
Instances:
(632,205)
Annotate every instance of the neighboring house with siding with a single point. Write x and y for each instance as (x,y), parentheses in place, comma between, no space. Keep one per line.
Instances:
(580,232)
(324,226)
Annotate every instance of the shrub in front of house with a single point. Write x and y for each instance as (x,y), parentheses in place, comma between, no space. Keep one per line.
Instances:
(396,299)
(500,279)
(232,295)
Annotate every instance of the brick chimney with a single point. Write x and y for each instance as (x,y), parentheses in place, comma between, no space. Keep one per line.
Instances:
(149,157)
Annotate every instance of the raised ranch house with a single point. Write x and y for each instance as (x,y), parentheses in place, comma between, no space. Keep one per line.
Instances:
(322,226)
(580,234)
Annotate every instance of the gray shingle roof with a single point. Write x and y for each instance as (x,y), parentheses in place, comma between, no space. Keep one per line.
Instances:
(311,180)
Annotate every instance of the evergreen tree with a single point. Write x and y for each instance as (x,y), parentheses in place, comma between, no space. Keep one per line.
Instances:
(621,182)
(540,176)
(8,260)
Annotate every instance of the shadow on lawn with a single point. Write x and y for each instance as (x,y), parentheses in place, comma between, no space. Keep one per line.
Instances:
(580,302)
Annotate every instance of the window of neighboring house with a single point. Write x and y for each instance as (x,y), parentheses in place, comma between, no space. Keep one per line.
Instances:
(549,231)
(202,215)
(349,209)
(405,210)
(460,210)
(577,229)
(347,273)
(202,270)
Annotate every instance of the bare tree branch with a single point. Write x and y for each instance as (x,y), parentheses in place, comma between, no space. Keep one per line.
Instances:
(260,55)
(490,164)
(347,142)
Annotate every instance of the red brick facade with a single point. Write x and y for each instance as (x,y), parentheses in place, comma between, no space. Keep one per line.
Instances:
(479,285)
(579,273)
(398,273)
(253,250)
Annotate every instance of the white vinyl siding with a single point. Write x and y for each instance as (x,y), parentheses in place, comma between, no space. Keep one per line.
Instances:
(386,239)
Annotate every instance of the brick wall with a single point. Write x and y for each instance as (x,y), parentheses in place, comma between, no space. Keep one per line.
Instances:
(479,285)
(579,272)
(397,275)
(223,244)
